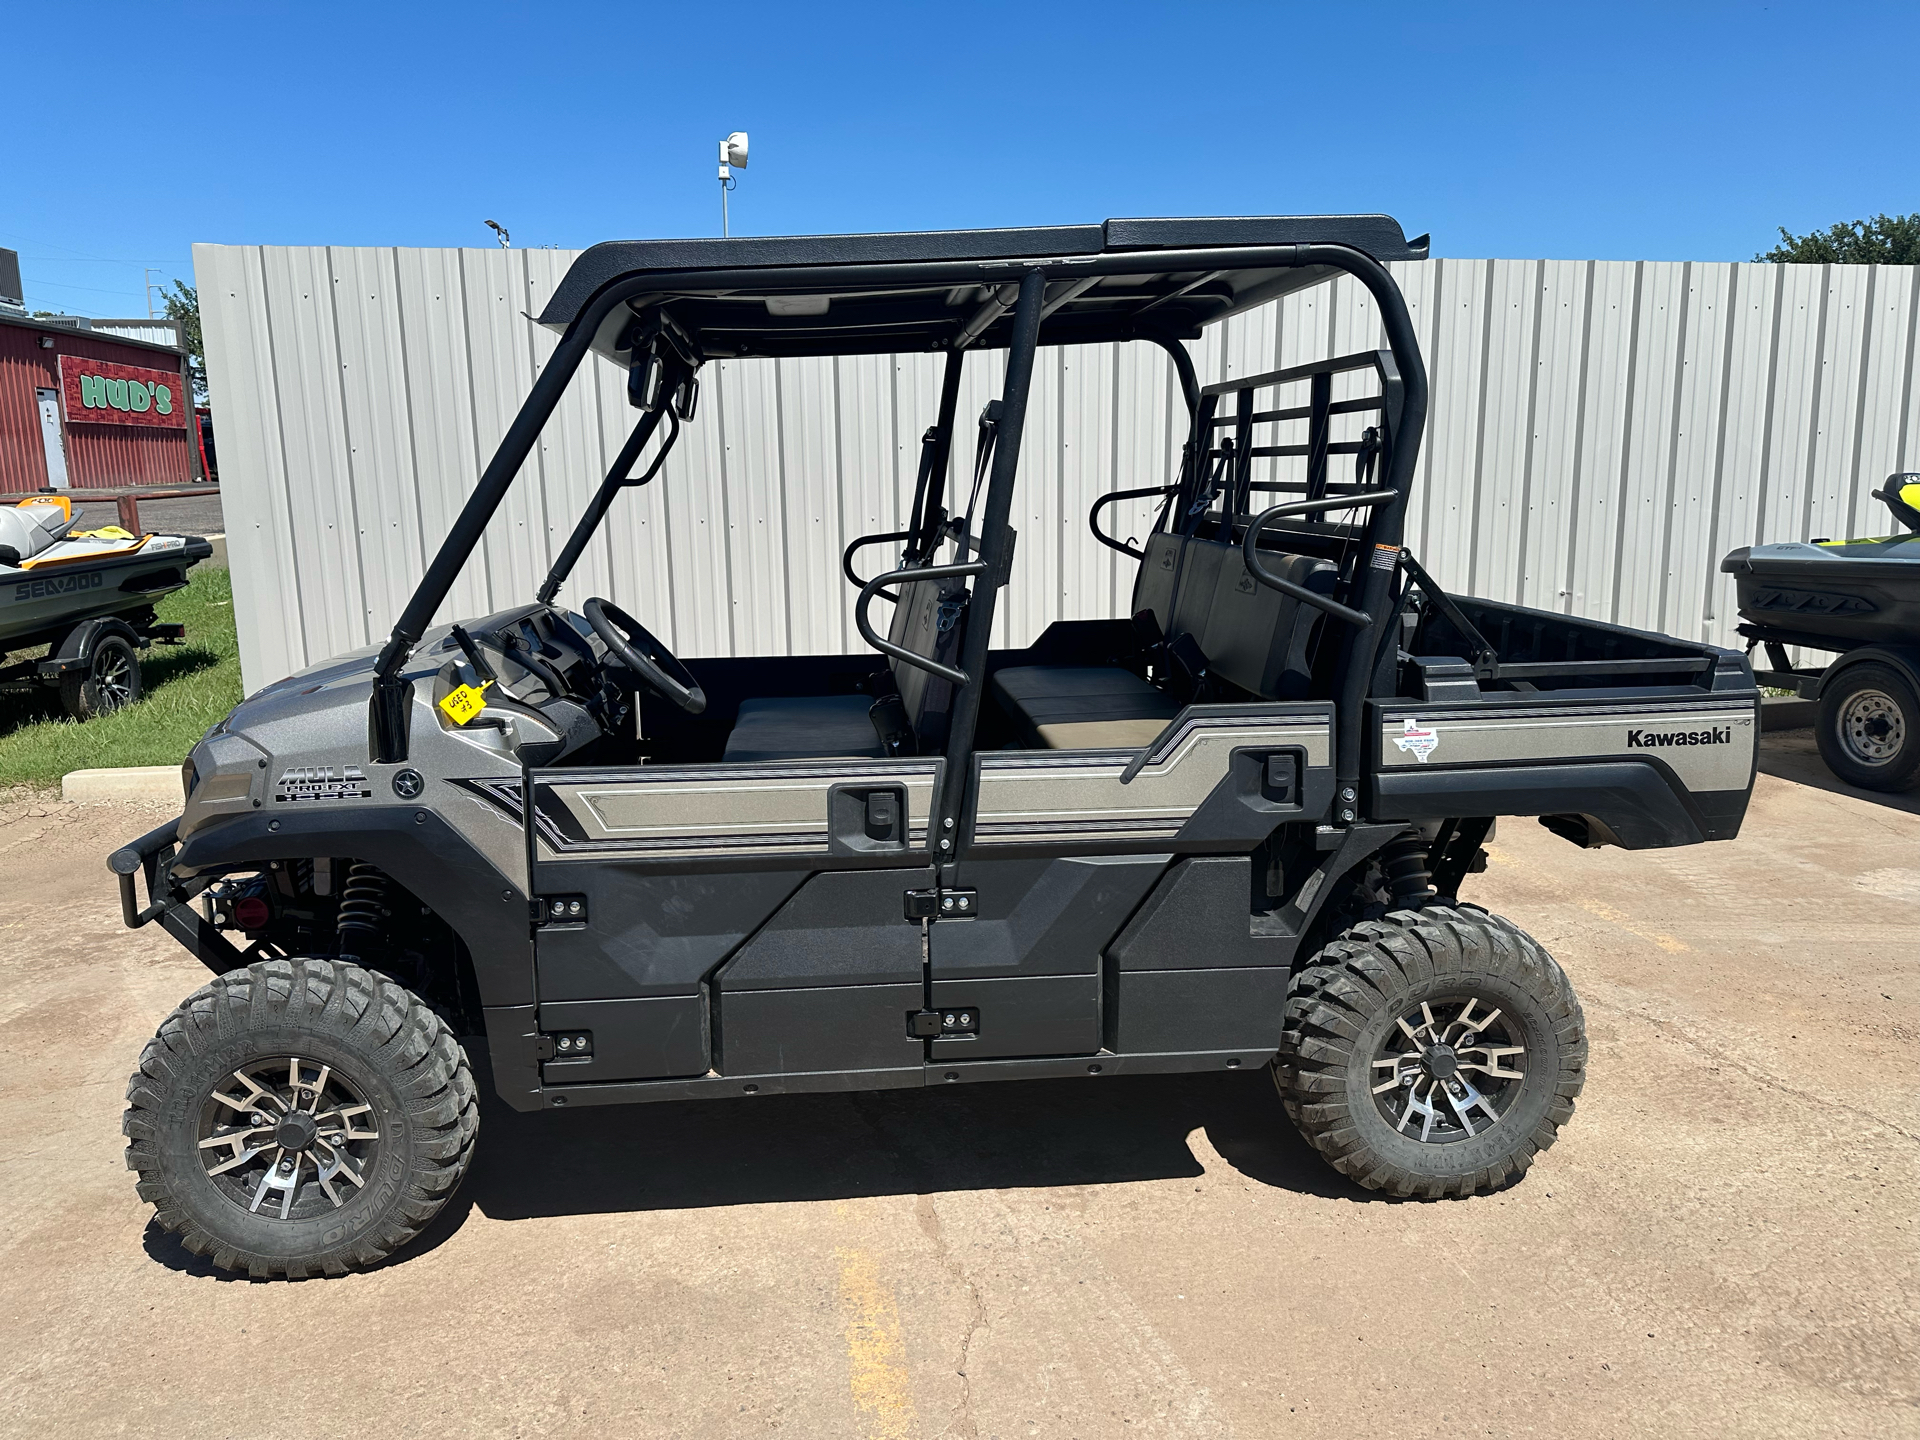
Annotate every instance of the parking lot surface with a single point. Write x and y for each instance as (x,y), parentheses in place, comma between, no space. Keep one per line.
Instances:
(1726,1240)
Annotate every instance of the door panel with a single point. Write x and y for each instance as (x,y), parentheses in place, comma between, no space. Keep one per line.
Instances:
(670,864)
(648,1039)
(1021,1016)
(844,1027)
(646,933)
(1029,965)
(844,927)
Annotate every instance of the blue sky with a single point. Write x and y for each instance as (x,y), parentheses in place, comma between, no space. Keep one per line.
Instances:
(1569,131)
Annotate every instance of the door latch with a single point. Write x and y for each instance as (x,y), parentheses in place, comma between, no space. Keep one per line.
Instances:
(938,1024)
(559,909)
(942,904)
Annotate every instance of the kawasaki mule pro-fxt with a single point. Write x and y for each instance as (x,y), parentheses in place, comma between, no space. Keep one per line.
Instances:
(1225,830)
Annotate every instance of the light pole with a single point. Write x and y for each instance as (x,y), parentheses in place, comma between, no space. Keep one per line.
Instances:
(733,152)
(499,230)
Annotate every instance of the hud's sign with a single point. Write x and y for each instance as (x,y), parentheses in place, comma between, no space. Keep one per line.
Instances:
(107,394)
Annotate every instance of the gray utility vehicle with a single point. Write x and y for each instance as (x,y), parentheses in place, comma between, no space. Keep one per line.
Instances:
(1225,831)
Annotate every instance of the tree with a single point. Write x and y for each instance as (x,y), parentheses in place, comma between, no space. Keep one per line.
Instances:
(183,306)
(1883,240)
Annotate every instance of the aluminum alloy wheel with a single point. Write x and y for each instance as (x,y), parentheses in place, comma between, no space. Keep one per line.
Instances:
(1424,1069)
(290,1129)
(113,678)
(1872,728)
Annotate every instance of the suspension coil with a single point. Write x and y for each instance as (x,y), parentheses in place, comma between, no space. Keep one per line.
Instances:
(362,917)
(1404,862)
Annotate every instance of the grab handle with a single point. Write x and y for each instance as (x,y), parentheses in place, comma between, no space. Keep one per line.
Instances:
(900,652)
(1250,550)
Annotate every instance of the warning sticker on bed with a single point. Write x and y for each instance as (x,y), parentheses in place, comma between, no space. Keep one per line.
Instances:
(1385,556)
(465,702)
(1417,740)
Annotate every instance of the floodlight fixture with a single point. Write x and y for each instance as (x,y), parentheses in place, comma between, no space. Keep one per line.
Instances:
(733,153)
(499,230)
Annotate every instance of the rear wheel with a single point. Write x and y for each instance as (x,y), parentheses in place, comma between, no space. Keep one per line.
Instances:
(111,682)
(1870,727)
(1432,1052)
(300,1117)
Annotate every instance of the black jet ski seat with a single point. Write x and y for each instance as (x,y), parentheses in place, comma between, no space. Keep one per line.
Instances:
(928,619)
(1202,599)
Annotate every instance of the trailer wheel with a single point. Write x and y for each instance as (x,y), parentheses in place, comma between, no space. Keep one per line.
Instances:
(1431,1052)
(1870,727)
(111,682)
(299,1117)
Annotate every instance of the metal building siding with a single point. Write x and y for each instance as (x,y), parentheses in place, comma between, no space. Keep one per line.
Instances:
(24,368)
(1600,433)
(97,454)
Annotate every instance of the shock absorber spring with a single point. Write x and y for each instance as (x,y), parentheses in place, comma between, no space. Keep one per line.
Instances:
(361,920)
(1409,881)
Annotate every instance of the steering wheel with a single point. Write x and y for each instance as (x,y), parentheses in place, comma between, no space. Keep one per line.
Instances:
(630,642)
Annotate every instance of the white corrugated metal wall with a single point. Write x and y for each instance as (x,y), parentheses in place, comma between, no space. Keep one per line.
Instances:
(1601,432)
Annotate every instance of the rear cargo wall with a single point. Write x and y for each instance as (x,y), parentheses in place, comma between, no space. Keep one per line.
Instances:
(1601,433)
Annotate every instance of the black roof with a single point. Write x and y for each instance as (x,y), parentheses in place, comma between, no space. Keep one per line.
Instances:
(875,294)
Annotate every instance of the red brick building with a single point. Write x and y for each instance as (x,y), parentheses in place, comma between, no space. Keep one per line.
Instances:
(81,410)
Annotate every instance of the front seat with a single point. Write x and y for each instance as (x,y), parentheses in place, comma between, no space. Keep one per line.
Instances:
(929,619)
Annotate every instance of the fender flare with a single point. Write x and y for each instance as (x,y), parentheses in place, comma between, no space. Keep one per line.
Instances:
(439,866)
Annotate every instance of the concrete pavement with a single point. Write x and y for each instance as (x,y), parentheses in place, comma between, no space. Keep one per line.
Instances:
(1724,1242)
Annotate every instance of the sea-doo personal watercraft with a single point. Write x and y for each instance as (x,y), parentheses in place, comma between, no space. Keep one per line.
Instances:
(88,596)
(1860,598)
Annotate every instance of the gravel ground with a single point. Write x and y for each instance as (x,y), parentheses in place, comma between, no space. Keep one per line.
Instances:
(1723,1242)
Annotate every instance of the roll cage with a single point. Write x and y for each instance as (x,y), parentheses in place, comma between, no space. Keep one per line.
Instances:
(662,308)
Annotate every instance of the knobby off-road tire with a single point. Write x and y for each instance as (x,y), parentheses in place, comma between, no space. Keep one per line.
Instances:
(111,682)
(300,1117)
(1869,731)
(1446,1023)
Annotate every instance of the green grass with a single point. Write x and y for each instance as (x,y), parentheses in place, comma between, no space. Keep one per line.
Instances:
(188,688)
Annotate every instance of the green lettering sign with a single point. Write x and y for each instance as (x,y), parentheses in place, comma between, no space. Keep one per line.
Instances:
(93,392)
(163,399)
(117,394)
(139,396)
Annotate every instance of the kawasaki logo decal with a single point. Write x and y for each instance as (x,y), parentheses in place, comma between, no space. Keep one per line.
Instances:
(1648,740)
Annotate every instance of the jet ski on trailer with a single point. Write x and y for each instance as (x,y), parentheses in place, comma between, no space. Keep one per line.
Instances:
(88,597)
(1860,598)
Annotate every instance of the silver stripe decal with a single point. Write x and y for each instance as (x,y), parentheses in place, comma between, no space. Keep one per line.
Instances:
(668,811)
(1030,797)
(1718,756)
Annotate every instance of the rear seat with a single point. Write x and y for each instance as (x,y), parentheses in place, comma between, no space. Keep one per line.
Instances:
(1252,636)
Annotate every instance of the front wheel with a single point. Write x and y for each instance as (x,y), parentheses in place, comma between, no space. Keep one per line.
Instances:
(1870,727)
(1431,1052)
(300,1117)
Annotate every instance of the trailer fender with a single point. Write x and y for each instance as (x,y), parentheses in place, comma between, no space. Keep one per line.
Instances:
(76,651)
(1904,658)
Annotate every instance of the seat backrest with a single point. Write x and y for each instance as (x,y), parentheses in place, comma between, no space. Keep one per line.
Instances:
(930,620)
(1176,581)
(1252,636)
(1258,638)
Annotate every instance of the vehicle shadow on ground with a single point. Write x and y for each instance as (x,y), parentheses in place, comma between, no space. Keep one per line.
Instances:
(1795,755)
(891,1142)
(782,1148)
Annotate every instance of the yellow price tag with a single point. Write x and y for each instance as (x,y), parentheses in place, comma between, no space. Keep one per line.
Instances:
(464,703)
